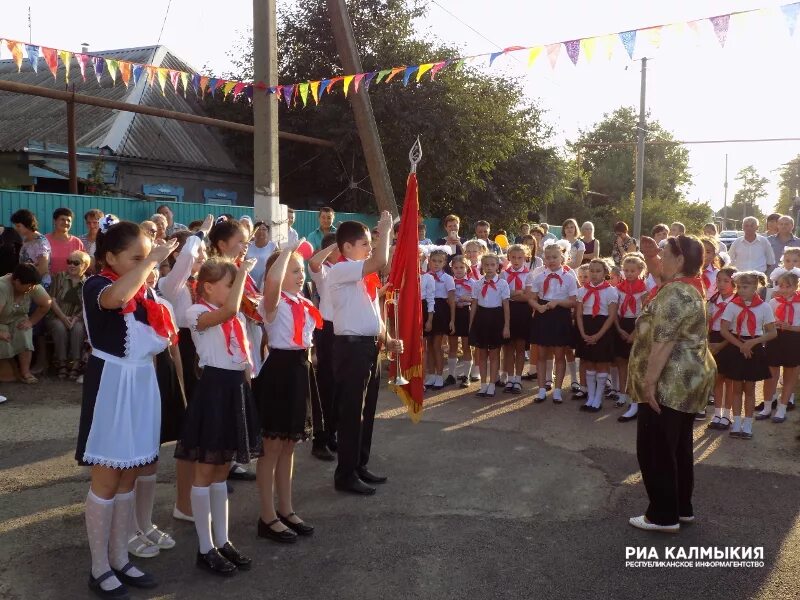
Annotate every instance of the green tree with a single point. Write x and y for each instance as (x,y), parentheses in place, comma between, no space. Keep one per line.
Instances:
(789,186)
(607,152)
(745,201)
(487,150)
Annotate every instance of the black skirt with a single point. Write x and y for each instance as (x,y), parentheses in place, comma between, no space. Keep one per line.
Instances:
(283,395)
(221,423)
(552,328)
(462,321)
(520,321)
(732,364)
(622,349)
(173,402)
(191,372)
(425,314)
(603,350)
(784,350)
(441,317)
(487,328)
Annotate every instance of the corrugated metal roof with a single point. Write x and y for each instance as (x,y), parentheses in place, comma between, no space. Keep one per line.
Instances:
(24,117)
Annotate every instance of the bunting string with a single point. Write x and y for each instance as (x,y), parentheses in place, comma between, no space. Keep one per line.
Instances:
(301,93)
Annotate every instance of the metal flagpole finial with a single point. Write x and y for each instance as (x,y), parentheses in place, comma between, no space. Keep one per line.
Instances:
(415,155)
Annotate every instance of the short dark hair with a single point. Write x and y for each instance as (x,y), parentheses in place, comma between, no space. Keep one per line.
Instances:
(197,224)
(116,239)
(63,212)
(350,232)
(163,206)
(328,239)
(93,212)
(326,209)
(620,227)
(290,210)
(25,218)
(774,217)
(692,251)
(660,228)
(482,223)
(26,273)
(258,224)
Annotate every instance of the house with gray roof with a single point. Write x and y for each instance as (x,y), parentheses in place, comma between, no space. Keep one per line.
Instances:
(134,155)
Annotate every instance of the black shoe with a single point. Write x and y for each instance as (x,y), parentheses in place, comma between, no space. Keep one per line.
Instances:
(265,530)
(557,400)
(145,580)
(580,395)
(333,444)
(594,409)
(366,475)
(120,593)
(437,387)
(322,453)
(530,376)
(450,380)
(301,528)
(355,487)
(463,382)
(759,407)
(585,408)
(213,562)
(499,383)
(474,378)
(624,419)
(242,562)
(790,406)
(538,399)
(244,475)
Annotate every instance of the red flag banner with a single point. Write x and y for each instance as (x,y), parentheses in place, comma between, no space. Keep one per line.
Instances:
(404,288)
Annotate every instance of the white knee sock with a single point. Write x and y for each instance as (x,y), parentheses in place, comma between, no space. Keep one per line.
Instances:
(633,409)
(549,375)
(615,378)
(572,367)
(99,513)
(451,366)
(201,509)
(219,512)
(591,386)
(145,496)
(430,378)
(747,425)
(767,410)
(600,390)
(467,367)
(120,530)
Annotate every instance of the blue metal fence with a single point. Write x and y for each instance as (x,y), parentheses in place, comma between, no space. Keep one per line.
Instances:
(43,205)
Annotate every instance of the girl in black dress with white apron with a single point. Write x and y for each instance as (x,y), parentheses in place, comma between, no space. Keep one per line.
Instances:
(283,391)
(121,407)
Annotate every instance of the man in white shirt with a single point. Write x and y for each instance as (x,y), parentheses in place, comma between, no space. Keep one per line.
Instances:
(292,236)
(358,327)
(752,252)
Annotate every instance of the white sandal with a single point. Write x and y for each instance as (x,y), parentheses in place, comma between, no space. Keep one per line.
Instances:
(142,547)
(162,540)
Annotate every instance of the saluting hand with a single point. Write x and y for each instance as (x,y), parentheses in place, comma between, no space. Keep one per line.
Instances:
(207,224)
(248,265)
(160,252)
(385,222)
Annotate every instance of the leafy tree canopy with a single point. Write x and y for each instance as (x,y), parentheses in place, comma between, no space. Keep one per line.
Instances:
(487,150)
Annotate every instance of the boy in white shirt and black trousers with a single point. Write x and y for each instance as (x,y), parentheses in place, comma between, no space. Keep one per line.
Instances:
(358,327)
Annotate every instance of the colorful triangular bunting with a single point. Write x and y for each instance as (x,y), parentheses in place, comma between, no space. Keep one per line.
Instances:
(314,85)
(423,69)
(790,12)
(16,52)
(553,50)
(33,56)
(51,59)
(533,55)
(573,50)
(66,58)
(408,73)
(83,59)
(303,89)
(720,25)
(628,39)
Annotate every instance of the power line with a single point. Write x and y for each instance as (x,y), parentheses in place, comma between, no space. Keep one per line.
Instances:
(164,22)
(690,142)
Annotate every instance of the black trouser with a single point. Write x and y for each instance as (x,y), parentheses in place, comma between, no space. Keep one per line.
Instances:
(357,377)
(188,361)
(664,450)
(324,410)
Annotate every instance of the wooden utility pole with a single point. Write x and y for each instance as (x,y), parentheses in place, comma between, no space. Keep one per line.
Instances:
(72,151)
(362,108)
(266,198)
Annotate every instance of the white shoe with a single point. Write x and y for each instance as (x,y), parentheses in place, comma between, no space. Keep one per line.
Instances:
(641,522)
(163,540)
(142,547)
(686,519)
(3,399)
(176,514)
(79,379)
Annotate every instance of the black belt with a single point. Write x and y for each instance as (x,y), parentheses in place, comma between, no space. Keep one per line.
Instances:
(358,339)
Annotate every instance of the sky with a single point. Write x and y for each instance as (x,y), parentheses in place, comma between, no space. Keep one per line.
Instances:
(694,88)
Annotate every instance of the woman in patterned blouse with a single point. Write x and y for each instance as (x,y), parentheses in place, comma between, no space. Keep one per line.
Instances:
(671,374)
(65,321)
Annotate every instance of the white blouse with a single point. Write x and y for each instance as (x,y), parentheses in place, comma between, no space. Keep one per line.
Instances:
(443,284)
(212,347)
(280,331)
(763,313)
(607,296)
(427,290)
(321,280)
(562,285)
(494,296)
